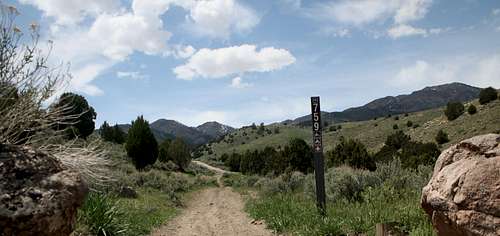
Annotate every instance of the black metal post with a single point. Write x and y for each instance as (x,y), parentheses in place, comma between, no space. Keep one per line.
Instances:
(318,155)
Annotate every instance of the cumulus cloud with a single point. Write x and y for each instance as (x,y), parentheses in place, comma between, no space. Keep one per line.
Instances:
(495,11)
(478,71)
(67,12)
(239,84)
(218,18)
(363,12)
(221,62)
(335,32)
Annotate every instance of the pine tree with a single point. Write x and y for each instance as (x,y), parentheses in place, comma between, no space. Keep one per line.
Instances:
(454,110)
(487,95)
(141,144)
(106,132)
(442,137)
(163,151)
(82,115)
(472,109)
(179,152)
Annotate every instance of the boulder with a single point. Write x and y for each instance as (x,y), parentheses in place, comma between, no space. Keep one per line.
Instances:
(463,195)
(37,195)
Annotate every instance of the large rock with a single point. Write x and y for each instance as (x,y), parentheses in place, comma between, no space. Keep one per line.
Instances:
(463,195)
(37,195)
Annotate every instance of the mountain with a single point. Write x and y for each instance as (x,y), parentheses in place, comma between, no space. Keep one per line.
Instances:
(427,98)
(170,129)
(214,129)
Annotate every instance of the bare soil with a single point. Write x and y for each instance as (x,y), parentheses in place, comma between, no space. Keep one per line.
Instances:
(214,211)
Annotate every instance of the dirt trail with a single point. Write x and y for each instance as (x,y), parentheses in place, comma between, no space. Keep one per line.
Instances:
(213,211)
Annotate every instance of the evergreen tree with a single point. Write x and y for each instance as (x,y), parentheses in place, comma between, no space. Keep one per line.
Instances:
(300,155)
(352,153)
(82,115)
(442,137)
(141,144)
(395,126)
(472,109)
(163,151)
(180,154)
(277,130)
(261,129)
(487,95)
(454,110)
(254,127)
(106,132)
(397,140)
(118,135)
(409,123)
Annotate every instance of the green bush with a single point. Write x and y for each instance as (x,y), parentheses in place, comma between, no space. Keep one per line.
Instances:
(352,153)
(163,151)
(472,109)
(397,140)
(102,215)
(395,126)
(141,144)
(454,110)
(179,152)
(409,124)
(442,137)
(487,95)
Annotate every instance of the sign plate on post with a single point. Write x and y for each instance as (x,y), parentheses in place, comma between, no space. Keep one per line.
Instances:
(318,154)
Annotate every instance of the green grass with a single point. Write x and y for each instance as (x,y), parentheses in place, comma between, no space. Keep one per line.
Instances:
(429,122)
(298,215)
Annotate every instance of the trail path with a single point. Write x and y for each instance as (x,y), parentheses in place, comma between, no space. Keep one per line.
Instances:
(213,211)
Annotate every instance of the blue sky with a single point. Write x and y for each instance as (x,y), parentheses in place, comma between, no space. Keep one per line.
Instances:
(242,61)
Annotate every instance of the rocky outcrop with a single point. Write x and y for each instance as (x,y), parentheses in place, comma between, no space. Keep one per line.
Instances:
(37,195)
(463,195)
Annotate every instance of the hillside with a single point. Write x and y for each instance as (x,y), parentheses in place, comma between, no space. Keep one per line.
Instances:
(427,98)
(372,132)
(214,129)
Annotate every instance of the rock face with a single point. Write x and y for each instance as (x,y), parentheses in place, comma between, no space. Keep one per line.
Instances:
(463,195)
(37,195)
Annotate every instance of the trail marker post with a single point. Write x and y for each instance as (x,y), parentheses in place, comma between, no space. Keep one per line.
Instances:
(319,169)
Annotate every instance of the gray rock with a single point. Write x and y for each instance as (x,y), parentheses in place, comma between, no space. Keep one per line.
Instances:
(37,195)
(463,195)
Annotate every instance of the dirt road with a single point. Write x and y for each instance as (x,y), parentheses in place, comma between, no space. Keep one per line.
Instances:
(213,211)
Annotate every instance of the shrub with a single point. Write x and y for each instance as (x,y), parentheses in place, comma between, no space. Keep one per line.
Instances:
(415,154)
(112,134)
(179,152)
(487,95)
(397,140)
(102,215)
(395,126)
(332,128)
(299,154)
(454,110)
(80,115)
(442,137)
(396,118)
(141,145)
(233,162)
(163,151)
(352,153)
(409,124)
(472,109)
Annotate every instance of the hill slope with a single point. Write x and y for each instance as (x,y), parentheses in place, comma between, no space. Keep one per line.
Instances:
(372,132)
(214,129)
(427,98)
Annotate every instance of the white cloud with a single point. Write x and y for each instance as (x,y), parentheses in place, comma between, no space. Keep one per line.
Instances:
(239,84)
(218,18)
(221,62)
(134,75)
(496,11)
(405,30)
(364,12)
(482,71)
(67,12)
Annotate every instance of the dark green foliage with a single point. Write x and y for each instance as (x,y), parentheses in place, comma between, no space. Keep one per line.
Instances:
(406,114)
(397,140)
(472,109)
(233,162)
(224,157)
(442,137)
(277,130)
(141,144)
(112,134)
(179,152)
(487,95)
(261,129)
(414,154)
(352,153)
(454,110)
(395,126)
(300,155)
(396,118)
(254,127)
(325,124)
(163,151)
(296,156)
(102,215)
(332,128)
(411,153)
(339,127)
(416,126)
(81,115)
(375,125)
(409,123)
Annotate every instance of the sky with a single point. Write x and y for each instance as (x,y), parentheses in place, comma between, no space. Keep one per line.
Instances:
(242,61)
